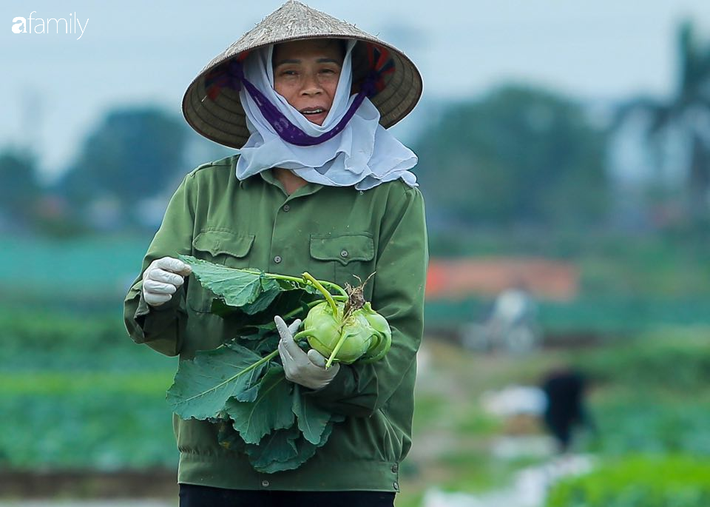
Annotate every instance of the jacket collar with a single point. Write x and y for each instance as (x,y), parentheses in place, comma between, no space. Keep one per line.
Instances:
(268,176)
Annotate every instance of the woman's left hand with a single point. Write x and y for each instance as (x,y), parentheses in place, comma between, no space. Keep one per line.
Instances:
(306,369)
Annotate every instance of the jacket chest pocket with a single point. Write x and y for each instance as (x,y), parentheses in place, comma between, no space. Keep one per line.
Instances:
(341,259)
(221,247)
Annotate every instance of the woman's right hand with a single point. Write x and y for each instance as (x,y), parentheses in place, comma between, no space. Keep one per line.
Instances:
(162,279)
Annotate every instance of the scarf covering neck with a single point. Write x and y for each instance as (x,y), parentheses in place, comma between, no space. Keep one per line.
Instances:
(363,155)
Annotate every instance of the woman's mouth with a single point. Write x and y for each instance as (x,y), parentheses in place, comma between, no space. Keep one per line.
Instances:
(314,114)
(311,111)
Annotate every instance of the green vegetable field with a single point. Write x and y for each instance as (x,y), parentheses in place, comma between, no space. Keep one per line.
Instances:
(76,394)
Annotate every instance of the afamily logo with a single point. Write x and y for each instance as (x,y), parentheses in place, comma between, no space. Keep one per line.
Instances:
(32,25)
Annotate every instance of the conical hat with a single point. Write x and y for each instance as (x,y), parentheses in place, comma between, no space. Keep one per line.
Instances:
(215,111)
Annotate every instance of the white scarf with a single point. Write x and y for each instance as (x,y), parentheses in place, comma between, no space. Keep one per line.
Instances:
(364,154)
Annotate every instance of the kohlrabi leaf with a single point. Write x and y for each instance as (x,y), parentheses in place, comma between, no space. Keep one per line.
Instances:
(267,344)
(312,420)
(281,451)
(249,289)
(255,333)
(264,300)
(203,385)
(277,447)
(219,307)
(247,294)
(246,396)
(271,410)
(263,342)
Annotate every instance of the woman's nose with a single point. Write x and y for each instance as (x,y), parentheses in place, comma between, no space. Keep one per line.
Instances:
(311,86)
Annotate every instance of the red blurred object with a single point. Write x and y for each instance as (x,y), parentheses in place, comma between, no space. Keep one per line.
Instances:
(464,277)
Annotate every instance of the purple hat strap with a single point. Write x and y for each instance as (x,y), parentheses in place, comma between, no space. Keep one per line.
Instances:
(283,127)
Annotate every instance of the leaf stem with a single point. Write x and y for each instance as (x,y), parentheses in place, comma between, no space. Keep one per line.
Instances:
(326,294)
(273,276)
(334,286)
(301,334)
(276,276)
(264,359)
(258,363)
(340,343)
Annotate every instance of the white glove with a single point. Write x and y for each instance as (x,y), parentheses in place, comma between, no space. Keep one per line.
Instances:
(308,369)
(162,279)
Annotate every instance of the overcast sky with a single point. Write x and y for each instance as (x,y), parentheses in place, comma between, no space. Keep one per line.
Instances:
(58,86)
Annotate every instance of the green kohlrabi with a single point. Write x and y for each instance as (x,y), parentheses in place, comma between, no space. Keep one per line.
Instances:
(346,331)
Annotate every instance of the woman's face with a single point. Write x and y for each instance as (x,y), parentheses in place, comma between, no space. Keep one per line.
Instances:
(306,74)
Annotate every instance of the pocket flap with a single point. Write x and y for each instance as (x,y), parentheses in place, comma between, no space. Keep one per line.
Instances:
(350,247)
(217,242)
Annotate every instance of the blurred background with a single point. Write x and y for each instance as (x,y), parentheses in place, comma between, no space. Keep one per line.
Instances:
(565,161)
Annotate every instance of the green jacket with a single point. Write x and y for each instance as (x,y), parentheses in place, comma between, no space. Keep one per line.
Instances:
(333,233)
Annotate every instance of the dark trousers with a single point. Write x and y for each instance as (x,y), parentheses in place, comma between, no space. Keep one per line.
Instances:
(203,496)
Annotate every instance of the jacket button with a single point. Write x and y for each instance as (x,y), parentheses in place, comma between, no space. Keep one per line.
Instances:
(395,468)
(286,207)
(265,484)
(277,259)
(344,254)
(396,485)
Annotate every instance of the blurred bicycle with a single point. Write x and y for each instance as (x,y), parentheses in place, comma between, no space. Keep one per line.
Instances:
(511,326)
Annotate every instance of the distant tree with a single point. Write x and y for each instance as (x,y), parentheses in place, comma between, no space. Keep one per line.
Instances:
(687,115)
(131,156)
(516,156)
(19,188)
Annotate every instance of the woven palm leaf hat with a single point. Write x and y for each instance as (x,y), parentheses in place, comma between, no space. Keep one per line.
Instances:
(211,104)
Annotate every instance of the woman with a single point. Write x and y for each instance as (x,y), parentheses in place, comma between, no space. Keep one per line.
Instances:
(320,186)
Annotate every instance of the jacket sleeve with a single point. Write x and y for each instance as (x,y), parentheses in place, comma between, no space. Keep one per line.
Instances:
(162,327)
(398,295)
